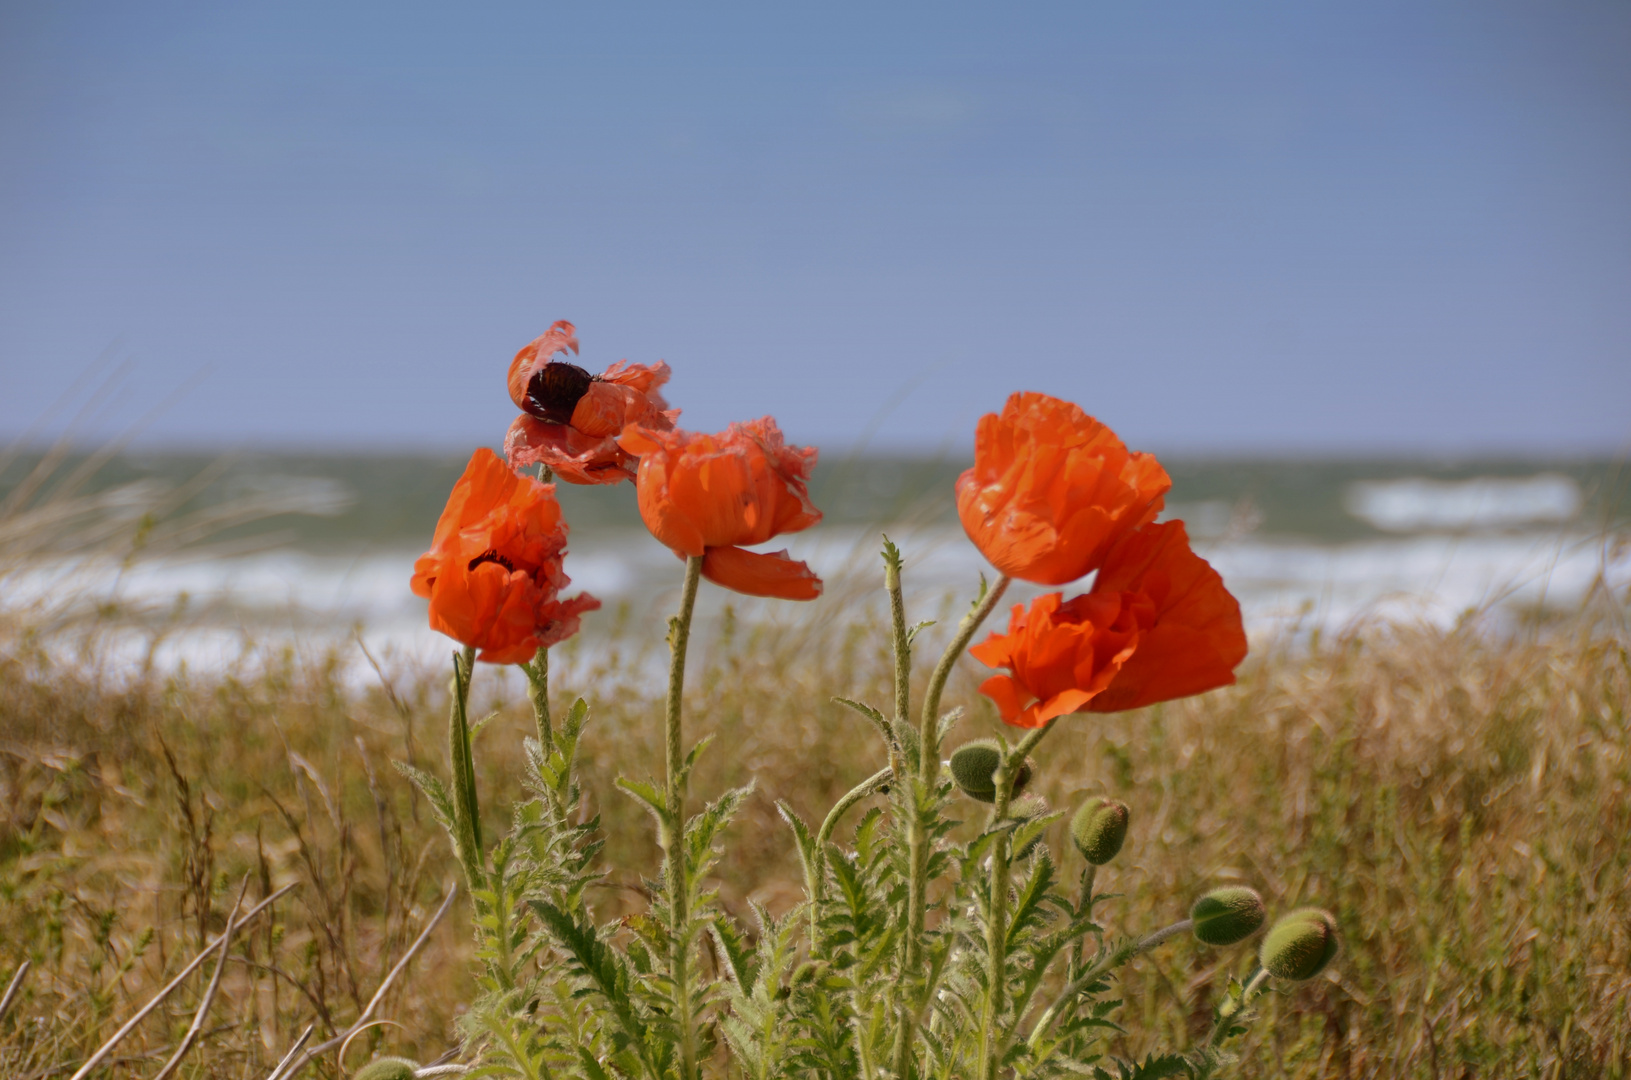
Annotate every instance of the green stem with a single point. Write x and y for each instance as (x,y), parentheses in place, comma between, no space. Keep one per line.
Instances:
(918,786)
(1246,994)
(673,831)
(928,775)
(903,645)
(929,725)
(996,927)
(538,691)
(466,812)
(1106,961)
(855,794)
(1084,905)
(818,884)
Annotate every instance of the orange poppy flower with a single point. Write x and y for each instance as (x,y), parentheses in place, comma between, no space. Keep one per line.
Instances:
(1157,624)
(1052,490)
(572,418)
(709,495)
(493,573)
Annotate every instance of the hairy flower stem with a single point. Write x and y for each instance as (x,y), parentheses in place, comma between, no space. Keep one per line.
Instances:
(673,830)
(929,724)
(855,794)
(916,782)
(1105,962)
(466,812)
(996,927)
(902,643)
(538,692)
(1220,1030)
(927,774)
(818,886)
(1084,907)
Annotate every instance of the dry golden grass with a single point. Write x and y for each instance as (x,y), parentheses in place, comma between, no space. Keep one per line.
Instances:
(1461,801)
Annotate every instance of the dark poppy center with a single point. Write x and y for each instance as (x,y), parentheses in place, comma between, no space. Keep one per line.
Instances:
(494,557)
(554,391)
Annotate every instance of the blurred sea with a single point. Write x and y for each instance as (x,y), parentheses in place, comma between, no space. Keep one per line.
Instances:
(206,559)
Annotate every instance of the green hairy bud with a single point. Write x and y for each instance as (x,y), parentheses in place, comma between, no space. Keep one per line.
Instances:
(1301,944)
(1099,828)
(1227,916)
(974,767)
(387,1069)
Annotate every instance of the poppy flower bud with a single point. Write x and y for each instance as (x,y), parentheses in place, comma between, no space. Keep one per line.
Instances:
(387,1069)
(1227,916)
(974,767)
(1301,944)
(1099,828)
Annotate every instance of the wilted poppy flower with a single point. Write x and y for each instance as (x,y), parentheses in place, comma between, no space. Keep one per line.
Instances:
(493,572)
(1052,490)
(572,418)
(709,495)
(1158,624)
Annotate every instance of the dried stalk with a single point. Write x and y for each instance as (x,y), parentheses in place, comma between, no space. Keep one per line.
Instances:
(208,1000)
(379,995)
(106,1048)
(14,988)
(293,1050)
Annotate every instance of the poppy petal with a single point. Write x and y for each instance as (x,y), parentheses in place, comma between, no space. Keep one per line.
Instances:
(1007,695)
(1052,489)
(571,455)
(758,574)
(1197,638)
(1066,701)
(561,337)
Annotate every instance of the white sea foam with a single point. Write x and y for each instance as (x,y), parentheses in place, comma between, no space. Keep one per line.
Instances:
(311,602)
(1484,502)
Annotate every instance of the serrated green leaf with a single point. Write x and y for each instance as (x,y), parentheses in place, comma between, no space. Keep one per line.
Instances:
(647,792)
(875,718)
(441,803)
(805,840)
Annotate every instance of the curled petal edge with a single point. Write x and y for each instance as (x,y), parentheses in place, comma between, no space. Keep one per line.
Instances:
(753,573)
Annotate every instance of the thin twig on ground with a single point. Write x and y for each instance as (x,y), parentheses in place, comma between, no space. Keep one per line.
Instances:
(379,995)
(14,988)
(293,1050)
(208,999)
(106,1048)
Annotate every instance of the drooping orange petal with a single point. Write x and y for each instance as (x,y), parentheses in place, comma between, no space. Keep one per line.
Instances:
(1008,695)
(644,378)
(1198,637)
(757,574)
(1060,704)
(563,618)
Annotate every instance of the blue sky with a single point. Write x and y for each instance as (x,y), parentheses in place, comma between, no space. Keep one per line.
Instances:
(1294,227)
